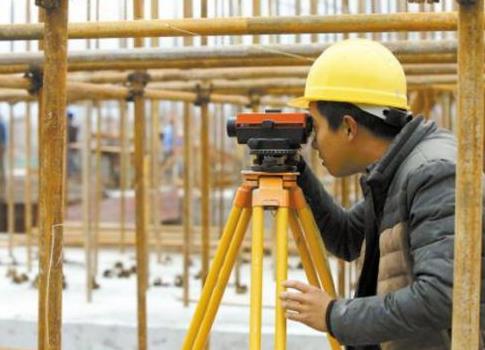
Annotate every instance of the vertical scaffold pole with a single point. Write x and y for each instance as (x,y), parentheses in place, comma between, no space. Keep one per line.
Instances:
(86,199)
(469,206)
(28,169)
(205,184)
(256,13)
(187,205)
(52,129)
(138,82)
(11,184)
(155,152)
(205,168)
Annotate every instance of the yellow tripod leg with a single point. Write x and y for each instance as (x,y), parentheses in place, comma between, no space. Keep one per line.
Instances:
(306,260)
(223,278)
(318,255)
(281,275)
(318,259)
(256,278)
(315,247)
(226,238)
(317,250)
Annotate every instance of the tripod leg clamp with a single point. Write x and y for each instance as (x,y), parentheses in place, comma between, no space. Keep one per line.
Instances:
(297,198)
(243,197)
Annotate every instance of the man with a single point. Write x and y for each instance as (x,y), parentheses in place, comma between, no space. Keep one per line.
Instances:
(72,133)
(168,139)
(3,147)
(404,226)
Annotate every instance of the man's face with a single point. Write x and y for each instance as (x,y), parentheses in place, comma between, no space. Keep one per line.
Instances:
(334,146)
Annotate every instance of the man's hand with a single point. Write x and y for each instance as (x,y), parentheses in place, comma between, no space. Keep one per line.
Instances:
(308,307)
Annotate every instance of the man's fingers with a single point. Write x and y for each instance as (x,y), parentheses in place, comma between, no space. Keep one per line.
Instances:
(292,306)
(298,297)
(294,316)
(302,287)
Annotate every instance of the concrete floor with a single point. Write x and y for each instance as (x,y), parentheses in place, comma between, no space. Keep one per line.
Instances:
(109,322)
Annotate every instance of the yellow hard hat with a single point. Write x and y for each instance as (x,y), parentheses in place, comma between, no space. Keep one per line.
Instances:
(358,71)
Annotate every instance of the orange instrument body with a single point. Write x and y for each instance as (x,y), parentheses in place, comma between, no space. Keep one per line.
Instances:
(271,130)
(288,119)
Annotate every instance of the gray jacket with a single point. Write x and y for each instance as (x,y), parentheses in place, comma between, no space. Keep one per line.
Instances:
(406,221)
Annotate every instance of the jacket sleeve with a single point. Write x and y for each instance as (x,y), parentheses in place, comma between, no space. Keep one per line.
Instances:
(426,304)
(342,230)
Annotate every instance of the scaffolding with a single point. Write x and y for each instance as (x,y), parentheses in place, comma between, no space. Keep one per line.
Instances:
(442,72)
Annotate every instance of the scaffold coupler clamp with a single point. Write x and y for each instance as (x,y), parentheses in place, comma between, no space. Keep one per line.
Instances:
(48,4)
(466,2)
(35,75)
(136,83)
(423,1)
(203,93)
(254,99)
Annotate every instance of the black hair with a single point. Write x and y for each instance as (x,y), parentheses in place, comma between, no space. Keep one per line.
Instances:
(334,112)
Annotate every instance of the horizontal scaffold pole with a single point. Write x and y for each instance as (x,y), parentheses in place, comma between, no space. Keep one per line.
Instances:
(423,71)
(87,91)
(302,52)
(221,89)
(113,77)
(358,23)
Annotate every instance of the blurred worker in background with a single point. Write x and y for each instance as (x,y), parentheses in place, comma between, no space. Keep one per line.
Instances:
(3,147)
(168,139)
(404,226)
(72,138)
(169,163)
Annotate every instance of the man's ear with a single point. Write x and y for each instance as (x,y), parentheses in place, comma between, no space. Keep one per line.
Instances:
(350,127)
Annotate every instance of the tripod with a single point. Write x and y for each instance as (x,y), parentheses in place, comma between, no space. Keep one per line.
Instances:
(260,191)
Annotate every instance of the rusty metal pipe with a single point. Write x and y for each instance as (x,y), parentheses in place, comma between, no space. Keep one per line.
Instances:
(219,63)
(358,23)
(303,52)
(469,187)
(52,167)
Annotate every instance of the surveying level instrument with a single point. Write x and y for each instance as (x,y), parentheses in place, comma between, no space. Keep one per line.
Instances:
(274,138)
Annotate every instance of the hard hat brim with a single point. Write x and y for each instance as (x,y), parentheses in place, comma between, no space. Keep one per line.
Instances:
(350,97)
(300,102)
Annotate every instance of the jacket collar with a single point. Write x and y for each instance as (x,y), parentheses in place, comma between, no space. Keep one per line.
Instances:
(380,174)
